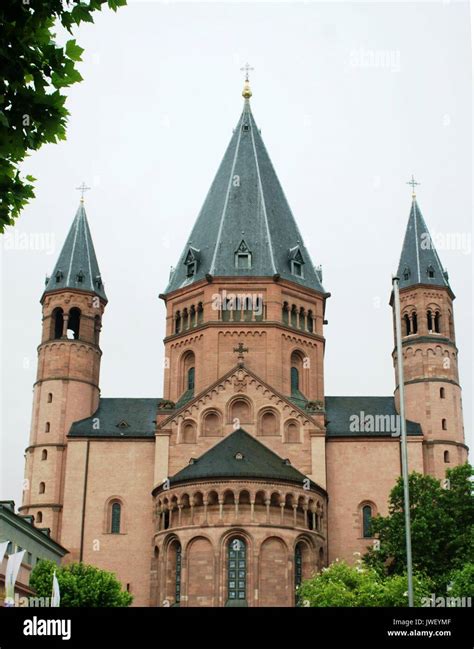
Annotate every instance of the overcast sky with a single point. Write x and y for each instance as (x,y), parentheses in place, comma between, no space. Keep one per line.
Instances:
(351,100)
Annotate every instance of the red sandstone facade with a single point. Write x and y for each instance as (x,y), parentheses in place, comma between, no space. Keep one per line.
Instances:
(178,542)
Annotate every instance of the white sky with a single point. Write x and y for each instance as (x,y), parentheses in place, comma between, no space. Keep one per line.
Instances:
(351,98)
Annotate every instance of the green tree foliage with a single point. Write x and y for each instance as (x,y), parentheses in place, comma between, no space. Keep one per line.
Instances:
(79,585)
(359,585)
(34,70)
(461,582)
(442,527)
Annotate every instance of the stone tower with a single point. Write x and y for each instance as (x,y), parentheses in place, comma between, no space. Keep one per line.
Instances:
(67,383)
(240,465)
(432,390)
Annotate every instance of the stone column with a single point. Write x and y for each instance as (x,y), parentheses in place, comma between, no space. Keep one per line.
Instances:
(295,507)
(65,322)
(252,510)
(267,505)
(180,507)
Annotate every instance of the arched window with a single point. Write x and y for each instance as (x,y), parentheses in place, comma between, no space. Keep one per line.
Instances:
(58,323)
(50,397)
(298,571)
(310,322)
(115,515)
(442,393)
(269,424)
(437,322)
(177,597)
(200,313)
(44,454)
(187,374)
(407,324)
(302,319)
(429,321)
(444,424)
(192,316)
(366,521)
(177,322)
(211,424)
(292,432)
(240,410)
(284,312)
(430,271)
(47,427)
(236,571)
(414,322)
(74,322)
(446,457)
(39,517)
(191,375)
(294,315)
(188,435)
(295,380)
(42,488)
(185,319)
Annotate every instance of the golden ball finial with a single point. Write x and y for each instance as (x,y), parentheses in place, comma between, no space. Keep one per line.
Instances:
(246,92)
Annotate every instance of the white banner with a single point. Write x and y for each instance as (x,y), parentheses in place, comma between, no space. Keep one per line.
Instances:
(3,549)
(13,566)
(56,597)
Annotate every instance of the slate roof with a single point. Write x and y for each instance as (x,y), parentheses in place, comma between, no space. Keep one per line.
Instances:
(245,203)
(339,411)
(220,462)
(419,254)
(120,417)
(77,259)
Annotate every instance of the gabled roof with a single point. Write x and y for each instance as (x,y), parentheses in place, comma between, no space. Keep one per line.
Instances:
(340,413)
(77,265)
(419,254)
(222,461)
(119,418)
(187,399)
(245,202)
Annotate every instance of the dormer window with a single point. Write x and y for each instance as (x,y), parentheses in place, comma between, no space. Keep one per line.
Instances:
(406,273)
(98,281)
(59,275)
(191,261)
(123,424)
(430,271)
(243,256)
(80,277)
(245,127)
(296,261)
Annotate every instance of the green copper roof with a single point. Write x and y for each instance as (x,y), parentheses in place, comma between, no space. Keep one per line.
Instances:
(419,261)
(245,211)
(77,266)
(239,455)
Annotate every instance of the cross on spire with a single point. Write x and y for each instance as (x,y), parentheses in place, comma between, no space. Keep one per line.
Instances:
(413,184)
(83,188)
(246,68)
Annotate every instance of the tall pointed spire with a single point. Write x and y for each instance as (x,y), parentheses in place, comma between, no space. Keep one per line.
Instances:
(245,227)
(77,266)
(419,261)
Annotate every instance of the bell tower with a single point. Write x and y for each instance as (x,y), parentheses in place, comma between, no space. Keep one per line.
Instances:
(67,382)
(430,355)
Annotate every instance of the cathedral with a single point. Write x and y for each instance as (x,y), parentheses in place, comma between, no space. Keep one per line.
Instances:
(244,478)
